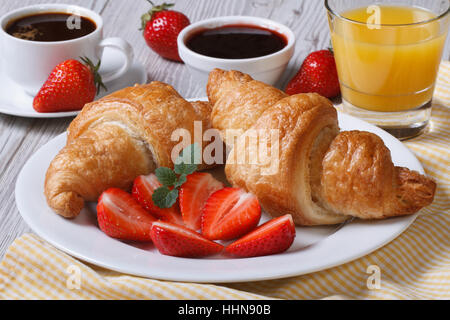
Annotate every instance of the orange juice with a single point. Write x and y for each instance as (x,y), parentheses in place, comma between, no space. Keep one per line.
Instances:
(391,65)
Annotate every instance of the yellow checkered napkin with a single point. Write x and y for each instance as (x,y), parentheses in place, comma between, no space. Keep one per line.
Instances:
(414,266)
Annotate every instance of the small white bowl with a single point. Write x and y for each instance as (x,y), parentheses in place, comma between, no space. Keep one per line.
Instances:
(267,69)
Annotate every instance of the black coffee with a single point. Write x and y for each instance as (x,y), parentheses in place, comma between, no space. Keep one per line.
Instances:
(51,27)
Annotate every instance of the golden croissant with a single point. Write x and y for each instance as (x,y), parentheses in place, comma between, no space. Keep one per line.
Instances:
(116,139)
(323,176)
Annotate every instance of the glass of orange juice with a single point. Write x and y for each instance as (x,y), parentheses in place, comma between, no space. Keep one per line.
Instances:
(388,55)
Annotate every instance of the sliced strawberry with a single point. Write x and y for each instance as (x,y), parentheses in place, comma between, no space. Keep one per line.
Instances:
(229,214)
(121,217)
(177,241)
(273,237)
(143,189)
(193,195)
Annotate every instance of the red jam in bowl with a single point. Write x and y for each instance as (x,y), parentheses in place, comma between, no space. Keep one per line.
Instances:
(237,42)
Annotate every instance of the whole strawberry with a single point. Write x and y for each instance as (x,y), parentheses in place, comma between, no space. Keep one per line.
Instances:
(69,87)
(161,29)
(318,74)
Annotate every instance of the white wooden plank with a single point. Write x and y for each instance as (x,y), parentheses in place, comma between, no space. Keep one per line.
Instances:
(8,5)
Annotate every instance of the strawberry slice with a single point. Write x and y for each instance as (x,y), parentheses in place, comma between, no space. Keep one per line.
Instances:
(143,189)
(193,195)
(121,217)
(275,236)
(229,214)
(178,241)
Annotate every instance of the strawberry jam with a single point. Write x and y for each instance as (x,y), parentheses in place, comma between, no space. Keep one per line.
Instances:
(237,42)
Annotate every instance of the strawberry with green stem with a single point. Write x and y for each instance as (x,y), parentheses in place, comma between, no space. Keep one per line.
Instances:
(317,74)
(69,87)
(161,28)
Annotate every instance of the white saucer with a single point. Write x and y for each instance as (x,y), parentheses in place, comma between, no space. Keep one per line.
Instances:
(15,102)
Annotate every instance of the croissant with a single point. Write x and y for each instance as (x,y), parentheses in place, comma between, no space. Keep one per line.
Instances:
(116,139)
(323,176)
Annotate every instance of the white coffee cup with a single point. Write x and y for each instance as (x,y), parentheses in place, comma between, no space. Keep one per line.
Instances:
(29,63)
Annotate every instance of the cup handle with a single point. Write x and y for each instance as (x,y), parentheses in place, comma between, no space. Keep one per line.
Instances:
(127,51)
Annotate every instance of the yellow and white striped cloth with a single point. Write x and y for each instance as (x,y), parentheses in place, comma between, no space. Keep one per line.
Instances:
(414,266)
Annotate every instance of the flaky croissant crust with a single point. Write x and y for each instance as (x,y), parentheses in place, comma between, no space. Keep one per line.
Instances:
(324,177)
(359,164)
(152,112)
(116,139)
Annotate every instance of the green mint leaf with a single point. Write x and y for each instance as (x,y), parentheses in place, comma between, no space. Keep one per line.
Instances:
(186,164)
(172,198)
(181,181)
(165,198)
(185,169)
(166,176)
(159,197)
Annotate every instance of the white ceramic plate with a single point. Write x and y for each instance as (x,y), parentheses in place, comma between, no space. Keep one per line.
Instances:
(314,249)
(15,101)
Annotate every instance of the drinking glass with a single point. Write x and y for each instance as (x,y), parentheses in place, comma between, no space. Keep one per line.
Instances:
(388,55)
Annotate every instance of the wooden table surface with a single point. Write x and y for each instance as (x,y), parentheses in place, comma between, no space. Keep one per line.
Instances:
(20,138)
